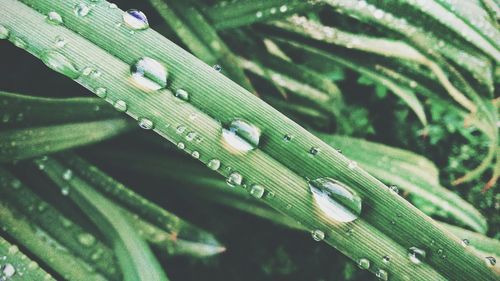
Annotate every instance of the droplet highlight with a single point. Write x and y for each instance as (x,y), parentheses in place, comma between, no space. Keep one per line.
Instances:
(135,19)
(54,18)
(335,199)
(81,10)
(257,191)
(213,164)
(416,255)
(145,123)
(318,235)
(241,136)
(58,62)
(182,94)
(120,105)
(234,179)
(149,74)
(364,263)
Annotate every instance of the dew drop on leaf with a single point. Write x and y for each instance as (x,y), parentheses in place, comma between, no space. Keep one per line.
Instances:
(54,18)
(234,179)
(416,255)
(491,261)
(120,105)
(314,151)
(145,123)
(195,154)
(213,164)
(241,136)
(58,62)
(101,92)
(465,242)
(4,32)
(182,94)
(135,19)
(335,199)
(318,235)
(149,74)
(217,68)
(364,263)
(382,275)
(81,9)
(67,175)
(257,190)
(386,259)
(86,239)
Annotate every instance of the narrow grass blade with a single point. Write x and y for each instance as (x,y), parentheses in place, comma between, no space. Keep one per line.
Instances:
(20,267)
(54,255)
(136,260)
(200,37)
(282,169)
(44,216)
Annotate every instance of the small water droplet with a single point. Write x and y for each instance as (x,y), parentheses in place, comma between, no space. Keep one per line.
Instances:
(4,32)
(112,6)
(283,8)
(190,136)
(364,263)
(86,239)
(145,123)
(465,242)
(491,261)
(81,9)
(382,274)
(180,129)
(417,255)
(181,145)
(386,259)
(241,135)
(394,189)
(60,42)
(135,19)
(217,68)
(259,14)
(8,270)
(273,10)
(195,154)
(67,175)
(335,199)
(317,235)
(257,190)
(214,164)
(314,151)
(352,165)
(149,74)
(54,18)
(120,105)
(182,94)
(58,62)
(287,138)
(101,92)
(234,179)
(65,191)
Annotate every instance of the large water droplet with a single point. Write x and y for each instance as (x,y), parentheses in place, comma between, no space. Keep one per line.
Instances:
(335,199)
(382,274)
(149,74)
(4,32)
(145,123)
(182,94)
(241,135)
(214,164)
(120,105)
(416,255)
(135,19)
(8,270)
(257,190)
(54,18)
(60,63)
(364,263)
(81,10)
(317,235)
(234,179)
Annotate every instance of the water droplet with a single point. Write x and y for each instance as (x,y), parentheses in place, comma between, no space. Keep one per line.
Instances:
(335,199)
(145,123)
(190,136)
(491,261)
(257,190)
(417,255)
(259,14)
(112,6)
(241,135)
(120,105)
(393,189)
(195,154)
(314,151)
(86,239)
(65,191)
(181,145)
(58,62)
(54,18)
(4,32)
(67,175)
(234,179)
(217,68)
(465,242)
(382,274)
(364,263)
(81,10)
(60,42)
(8,270)
(317,235)
(287,137)
(283,8)
(149,74)
(180,129)
(352,165)
(135,19)
(386,259)
(101,92)
(214,164)
(182,94)
(273,10)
